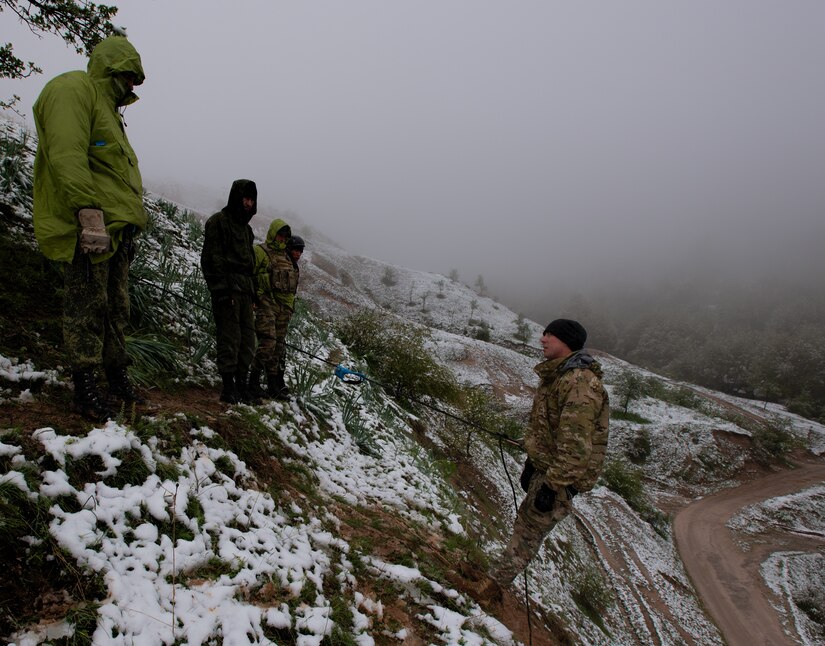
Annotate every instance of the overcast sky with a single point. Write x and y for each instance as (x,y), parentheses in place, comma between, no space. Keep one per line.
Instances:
(531,142)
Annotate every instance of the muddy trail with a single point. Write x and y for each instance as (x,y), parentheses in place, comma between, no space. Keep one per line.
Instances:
(724,564)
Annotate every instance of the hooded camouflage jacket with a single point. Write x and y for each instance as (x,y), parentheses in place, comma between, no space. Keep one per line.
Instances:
(83,157)
(227,259)
(567,436)
(276,276)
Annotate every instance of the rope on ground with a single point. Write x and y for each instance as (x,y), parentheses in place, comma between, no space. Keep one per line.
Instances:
(502,438)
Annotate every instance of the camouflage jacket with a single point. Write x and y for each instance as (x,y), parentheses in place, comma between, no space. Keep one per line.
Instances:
(276,275)
(568,431)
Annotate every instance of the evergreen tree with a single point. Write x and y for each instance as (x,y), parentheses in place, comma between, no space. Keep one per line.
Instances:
(389,279)
(80,24)
(522,329)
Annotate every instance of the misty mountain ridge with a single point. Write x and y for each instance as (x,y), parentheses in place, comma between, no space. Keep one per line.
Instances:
(345,514)
(738,313)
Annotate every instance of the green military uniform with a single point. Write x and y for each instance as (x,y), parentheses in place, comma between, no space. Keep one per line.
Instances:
(227,262)
(276,278)
(566,443)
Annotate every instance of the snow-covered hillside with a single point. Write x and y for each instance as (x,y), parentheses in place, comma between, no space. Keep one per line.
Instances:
(342,515)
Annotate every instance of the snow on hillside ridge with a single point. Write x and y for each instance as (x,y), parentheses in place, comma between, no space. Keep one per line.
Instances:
(427,298)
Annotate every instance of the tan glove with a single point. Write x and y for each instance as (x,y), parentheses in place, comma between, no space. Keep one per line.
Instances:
(93,235)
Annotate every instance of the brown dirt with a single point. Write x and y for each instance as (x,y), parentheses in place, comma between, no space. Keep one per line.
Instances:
(724,565)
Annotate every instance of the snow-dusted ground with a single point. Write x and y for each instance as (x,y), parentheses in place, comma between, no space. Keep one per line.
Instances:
(24,375)
(156,591)
(799,580)
(811,433)
(294,544)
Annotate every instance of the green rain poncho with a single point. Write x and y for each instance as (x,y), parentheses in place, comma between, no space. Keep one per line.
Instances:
(83,156)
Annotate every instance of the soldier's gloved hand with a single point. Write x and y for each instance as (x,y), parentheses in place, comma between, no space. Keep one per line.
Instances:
(545,497)
(93,235)
(526,474)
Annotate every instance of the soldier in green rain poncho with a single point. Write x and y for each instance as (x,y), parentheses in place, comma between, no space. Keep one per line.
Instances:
(88,209)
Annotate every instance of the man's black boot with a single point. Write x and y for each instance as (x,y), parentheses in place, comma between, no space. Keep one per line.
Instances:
(253,386)
(285,392)
(87,400)
(121,387)
(229,394)
(276,386)
(240,387)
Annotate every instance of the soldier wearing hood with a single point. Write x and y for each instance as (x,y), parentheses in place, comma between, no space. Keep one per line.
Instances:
(88,208)
(276,279)
(227,261)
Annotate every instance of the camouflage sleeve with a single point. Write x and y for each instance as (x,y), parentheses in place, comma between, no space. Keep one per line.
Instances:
(261,271)
(580,400)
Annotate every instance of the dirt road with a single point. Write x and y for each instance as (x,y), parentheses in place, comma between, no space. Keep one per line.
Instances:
(726,576)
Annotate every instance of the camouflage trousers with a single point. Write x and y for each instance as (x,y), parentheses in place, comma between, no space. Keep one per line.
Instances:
(234,331)
(96,310)
(529,530)
(271,326)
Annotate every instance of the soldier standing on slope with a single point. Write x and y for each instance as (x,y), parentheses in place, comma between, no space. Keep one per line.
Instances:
(276,278)
(88,208)
(565,442)
(227,261)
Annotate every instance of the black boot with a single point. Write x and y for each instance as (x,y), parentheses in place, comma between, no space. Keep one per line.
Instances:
(229,394)
(276,386)
(121,388)
(240,387)
(253,386)
(285,392)
(87,400)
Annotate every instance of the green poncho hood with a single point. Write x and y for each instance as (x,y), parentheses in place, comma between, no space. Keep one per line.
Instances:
(274,227)
(110,58)
(84,158)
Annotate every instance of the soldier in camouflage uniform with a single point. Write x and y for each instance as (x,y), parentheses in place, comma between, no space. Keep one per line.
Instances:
(88,208)
(565,443)
(227,262)
(276,278)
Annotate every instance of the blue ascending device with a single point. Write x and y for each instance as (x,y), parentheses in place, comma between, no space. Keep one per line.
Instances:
(349,376)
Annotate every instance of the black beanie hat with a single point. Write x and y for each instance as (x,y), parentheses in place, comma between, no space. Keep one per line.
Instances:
(569,332)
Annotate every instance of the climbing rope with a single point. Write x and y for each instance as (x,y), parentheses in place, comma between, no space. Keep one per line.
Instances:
(352,377)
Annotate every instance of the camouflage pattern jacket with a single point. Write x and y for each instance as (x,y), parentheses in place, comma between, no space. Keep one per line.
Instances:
(567,436)
(276,276)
